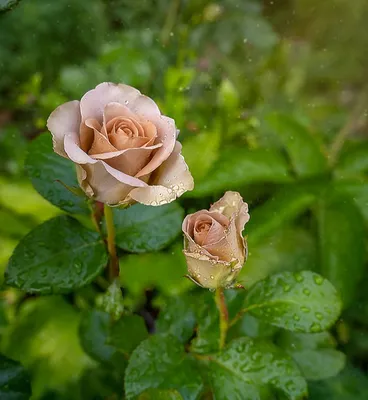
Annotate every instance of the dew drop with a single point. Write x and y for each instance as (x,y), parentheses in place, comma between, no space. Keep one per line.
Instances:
(318,279)
(298,277)
(319,316)
(287,288)
(212,277)
(306,292)
(315,327)
(305,309)
(296,317)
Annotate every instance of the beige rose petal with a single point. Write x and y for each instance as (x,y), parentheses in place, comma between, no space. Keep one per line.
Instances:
(76,154)
(93,103)
(169,181)
(86,137)
(231,203)
(101,145)
(166,134)
(102,186)
(209,273)
(116,110)
(130,161)
(64,119)
(228,247)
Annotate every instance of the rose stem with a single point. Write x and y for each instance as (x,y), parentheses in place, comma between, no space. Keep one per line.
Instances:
(224,315)
(114,262)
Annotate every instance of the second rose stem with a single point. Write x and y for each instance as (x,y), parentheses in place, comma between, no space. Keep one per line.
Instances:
(224,315)
(114,261)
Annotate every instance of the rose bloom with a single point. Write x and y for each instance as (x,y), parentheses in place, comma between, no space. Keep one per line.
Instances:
(125,151)
(214,247)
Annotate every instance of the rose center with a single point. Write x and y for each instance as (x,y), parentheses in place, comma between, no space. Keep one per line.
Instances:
(203,227)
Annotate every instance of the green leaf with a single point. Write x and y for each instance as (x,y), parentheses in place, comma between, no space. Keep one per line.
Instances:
(100,383)
(299,301)
(45,168)
(112,300)
(14,380)
(353,161)
(160,362)
(314,353)
(246,366)
(357,190)
(178,318)
(287,249)
(157,394)
(56,257)
(351,384)
(200,152)
(342,248)
(303,149)
(44,338)
(237,167)
(127,332)
(138,274)
(7,5)
(286,205)
(94,331)
(252,327)
(143,228)
(109,341)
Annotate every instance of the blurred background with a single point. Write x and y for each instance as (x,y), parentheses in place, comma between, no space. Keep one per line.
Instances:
(271,100)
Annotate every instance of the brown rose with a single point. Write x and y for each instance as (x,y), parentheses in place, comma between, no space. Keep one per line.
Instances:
(214,246)
(124,149)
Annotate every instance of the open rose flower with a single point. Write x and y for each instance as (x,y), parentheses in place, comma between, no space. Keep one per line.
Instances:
(214,247)
(124,149)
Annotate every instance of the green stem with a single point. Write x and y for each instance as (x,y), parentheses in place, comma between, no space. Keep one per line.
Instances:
(224,315)
(114,261)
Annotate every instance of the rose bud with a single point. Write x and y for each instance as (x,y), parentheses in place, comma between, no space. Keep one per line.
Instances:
(125,151)
(214,247)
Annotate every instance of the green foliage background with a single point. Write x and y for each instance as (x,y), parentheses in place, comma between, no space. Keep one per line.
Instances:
(271,100)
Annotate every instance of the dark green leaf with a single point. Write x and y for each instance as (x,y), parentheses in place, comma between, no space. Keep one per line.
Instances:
(126,333)
(178,317)
(351,384)
(342,249)
(287,249)
(303,149)
(160,362)
(353,161)
(109,341)
(58,256)
(238,166)
(287,204)
(142,228)
(252,327)
(157,394)
(300,301)
(6,5)
(245,366)
(45,168)
(207,339)
(94,332)
(14,380)
(314,353)
(100,383)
